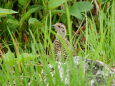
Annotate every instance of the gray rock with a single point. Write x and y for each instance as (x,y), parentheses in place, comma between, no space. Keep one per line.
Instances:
(98,71)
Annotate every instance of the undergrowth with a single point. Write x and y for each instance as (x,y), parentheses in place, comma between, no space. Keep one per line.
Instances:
(28,41)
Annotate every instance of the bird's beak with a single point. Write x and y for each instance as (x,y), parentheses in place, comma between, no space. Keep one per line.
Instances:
(54,26)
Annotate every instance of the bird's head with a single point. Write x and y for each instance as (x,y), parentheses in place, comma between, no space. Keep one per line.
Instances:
(60,29)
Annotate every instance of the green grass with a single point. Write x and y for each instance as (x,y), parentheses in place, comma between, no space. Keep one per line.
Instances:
(26,65)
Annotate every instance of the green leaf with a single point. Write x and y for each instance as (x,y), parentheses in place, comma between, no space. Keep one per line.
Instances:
(23,2)
(78,7)
(13,24)
(28,14)
(13,21)
(6,11)
(84,6)
(55,3)
(74,11)
(33,21)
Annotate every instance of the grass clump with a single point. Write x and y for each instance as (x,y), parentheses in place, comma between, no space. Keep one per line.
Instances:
(26,40)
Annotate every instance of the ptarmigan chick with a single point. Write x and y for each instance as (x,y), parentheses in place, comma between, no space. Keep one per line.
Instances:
(58,45)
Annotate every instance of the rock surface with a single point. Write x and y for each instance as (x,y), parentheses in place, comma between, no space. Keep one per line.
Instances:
(99,70)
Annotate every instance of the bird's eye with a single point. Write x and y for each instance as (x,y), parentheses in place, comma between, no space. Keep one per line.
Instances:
(59,26)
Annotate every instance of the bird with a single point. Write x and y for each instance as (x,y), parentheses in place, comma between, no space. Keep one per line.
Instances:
(58,45)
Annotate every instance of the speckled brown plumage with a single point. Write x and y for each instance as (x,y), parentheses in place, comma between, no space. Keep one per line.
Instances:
(59,49)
